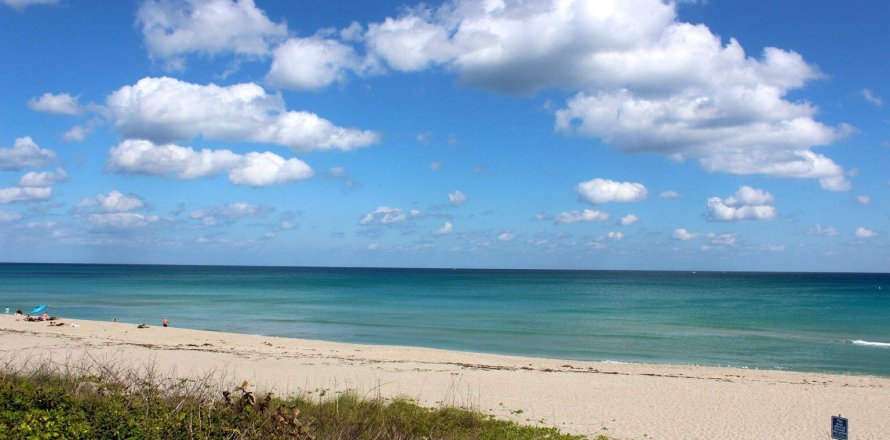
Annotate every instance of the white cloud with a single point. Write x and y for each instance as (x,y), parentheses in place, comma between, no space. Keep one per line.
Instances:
(24,194)
(714,238)
(750,196)
(863,199)
(79,133)
(255,169)
(615,236)
(9,216)
(385,215)
(47,178)
(424,138)
(629,219)
(599,191)
(642,79)
(373,246)
(25,154)
(214,215)
(121,220)
(726,239)
(62,104)
(870,96)
(445,229)
(828,231)
(410,43)
(435,166)
(669,195)
(115,201)
(587,215)
(165,110)
(865,233)
(747,204)
(20,5)
(457,198)
(311,63)
(261,169)
(172,29)
(506,236)
(684,235)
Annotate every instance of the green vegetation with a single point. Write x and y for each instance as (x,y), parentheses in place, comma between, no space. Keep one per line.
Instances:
(49,403)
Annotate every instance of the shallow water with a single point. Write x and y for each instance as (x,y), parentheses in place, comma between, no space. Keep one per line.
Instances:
(793,321)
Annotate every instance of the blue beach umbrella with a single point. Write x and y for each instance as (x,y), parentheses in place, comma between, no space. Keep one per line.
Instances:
(38,309)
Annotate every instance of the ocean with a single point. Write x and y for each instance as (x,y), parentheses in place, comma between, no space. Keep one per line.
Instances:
(830,322)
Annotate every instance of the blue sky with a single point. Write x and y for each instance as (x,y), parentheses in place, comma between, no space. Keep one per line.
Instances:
(600,134)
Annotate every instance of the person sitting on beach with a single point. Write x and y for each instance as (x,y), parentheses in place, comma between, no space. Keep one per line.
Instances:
(165,322)
(44,316)
(141,326)
(19,311)
(30,318)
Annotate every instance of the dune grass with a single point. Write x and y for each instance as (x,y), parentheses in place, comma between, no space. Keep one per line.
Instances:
(49,402)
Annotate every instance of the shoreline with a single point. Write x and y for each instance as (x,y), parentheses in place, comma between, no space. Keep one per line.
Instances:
(620,400)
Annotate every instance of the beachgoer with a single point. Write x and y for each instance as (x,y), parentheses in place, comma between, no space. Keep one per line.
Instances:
(45,316)
(141,326)
(165,322)
(113,319)
(19,311)
(7,310)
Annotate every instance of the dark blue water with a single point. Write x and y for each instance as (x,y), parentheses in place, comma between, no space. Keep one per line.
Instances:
(792,321)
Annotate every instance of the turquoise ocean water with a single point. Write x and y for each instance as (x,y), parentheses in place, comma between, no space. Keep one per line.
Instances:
(789,321)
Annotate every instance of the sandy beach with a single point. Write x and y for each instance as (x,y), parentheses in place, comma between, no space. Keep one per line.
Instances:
(622,401)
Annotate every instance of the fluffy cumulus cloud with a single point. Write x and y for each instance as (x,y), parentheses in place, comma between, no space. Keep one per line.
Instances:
(615,236)
(587,215)
(114,212)
(385,215)
(628,220)
(312,63)
(643,81)
(747,204)
(224,214)
(173,29)
(20,5)
(24,194)
(457,198)
(683,235)
(46,178)
(62,104)
(165,110)
(599,191)
(115,201)
(254,169)
(79,133)
(865,233)
(25,154)
(447,228)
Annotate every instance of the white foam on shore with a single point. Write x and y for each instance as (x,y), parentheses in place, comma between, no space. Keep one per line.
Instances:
(872,344)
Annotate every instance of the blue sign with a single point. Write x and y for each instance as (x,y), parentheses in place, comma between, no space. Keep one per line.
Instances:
(839,428)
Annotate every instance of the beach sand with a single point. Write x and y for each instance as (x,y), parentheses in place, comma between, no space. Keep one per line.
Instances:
(622,401)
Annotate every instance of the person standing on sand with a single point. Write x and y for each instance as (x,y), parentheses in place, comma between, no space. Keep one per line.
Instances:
(165,322)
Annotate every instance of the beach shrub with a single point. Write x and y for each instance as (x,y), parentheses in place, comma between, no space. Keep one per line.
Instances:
(44,404)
